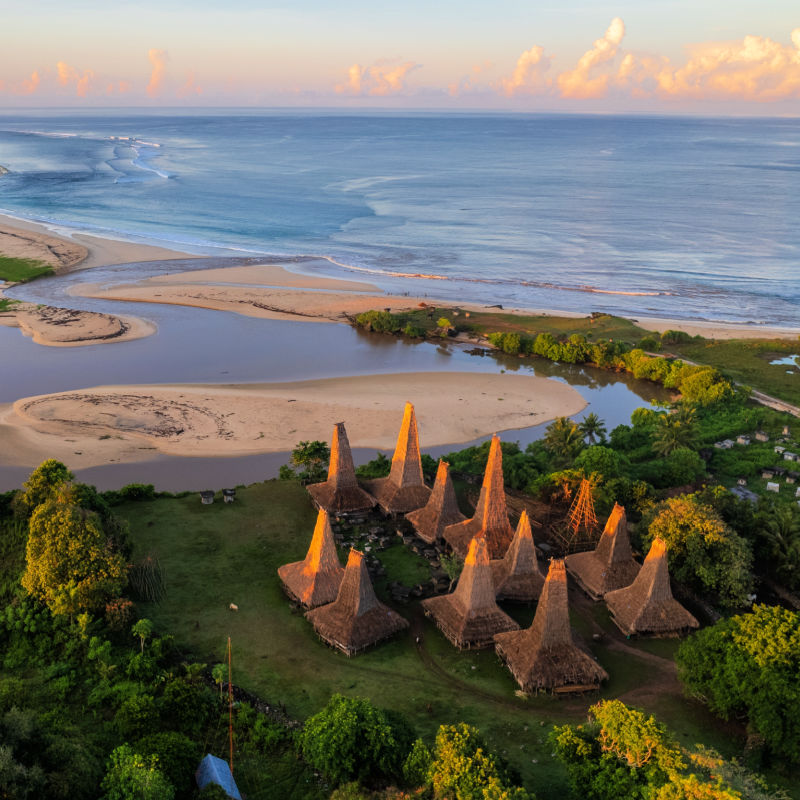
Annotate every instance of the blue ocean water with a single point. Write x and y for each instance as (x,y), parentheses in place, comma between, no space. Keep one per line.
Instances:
(658,216)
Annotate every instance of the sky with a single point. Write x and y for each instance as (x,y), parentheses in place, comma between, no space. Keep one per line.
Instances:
(647,56)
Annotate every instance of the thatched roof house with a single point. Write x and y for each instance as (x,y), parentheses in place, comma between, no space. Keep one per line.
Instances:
(404,489)
(491,517)
(356,619)
(469,616)
(647,605)
(517,577)
(544,656)
(441,509)
(340,494)
(315,580)
(610,565)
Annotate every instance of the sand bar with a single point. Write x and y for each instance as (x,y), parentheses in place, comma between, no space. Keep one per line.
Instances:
(131,423)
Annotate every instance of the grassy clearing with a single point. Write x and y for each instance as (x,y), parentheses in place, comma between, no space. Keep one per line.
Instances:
(747,361)
(19,270)
(228,553)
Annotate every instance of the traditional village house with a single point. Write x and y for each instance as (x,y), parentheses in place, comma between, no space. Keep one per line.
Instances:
(545,657)
(356,619)
(404,489)
(441,509)
(762,436)
(229,495)
(517,576)
(207,497)
(789,456)
(340,494)
(469,616)
(767,473)
(773,487)
(315,580)
(491,517)
(742,439)
(610,565)
(647,605)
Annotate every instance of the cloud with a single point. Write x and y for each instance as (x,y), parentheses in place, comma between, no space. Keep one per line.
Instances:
(379,80)
(158,58)
(29,85)
(528,76)
(190,87)
(582,82)
(754,69)
(68,75)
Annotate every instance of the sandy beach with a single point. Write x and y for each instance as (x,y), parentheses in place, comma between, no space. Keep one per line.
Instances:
(132,423)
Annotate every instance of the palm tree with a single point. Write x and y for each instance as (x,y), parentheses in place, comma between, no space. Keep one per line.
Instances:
(674,430)
(563,438)
(593,428)
(781,530)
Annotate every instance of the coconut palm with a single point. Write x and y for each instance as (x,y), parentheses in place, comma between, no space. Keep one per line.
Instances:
(674,430)
(593,428)
(563,438)
(781,532)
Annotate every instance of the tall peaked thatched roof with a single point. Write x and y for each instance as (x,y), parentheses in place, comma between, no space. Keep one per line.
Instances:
(404,489)
(469,616)
(441,509)
(315,580)
(517,577)
(544,656)
(340,494)
(491,517)
(647,605)
(356,619)
(610,565)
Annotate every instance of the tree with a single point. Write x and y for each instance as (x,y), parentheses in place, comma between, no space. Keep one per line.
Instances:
(219,672)
(780,529)
(44,482)
(134,777)
(703,551)
(144,630)
(70,564)
(674,430)
(593,428)
(464,769)
(452,564)
(310,461)
(602,460)
(563,439)
(749,664)
(352,739)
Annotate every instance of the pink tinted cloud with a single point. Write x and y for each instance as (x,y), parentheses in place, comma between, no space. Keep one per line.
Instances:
(190,87)
(68,75)
(584,81)
(379,80)
(29,85)
(529,74)
(158,60)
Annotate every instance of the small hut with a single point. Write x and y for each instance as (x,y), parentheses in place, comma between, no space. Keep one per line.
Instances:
(207,497)
(404,489)
(356,619)
(647,605)
(610,565)
(544,657)
(340,494)
(213,770)
(490,521)
(229,495)
(315,580)
(517,577)
(441,509)
(469,616)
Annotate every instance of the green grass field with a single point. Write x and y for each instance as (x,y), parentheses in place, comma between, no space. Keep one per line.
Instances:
(19,270)
(221,554)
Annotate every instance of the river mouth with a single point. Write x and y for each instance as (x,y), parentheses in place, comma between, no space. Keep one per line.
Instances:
(194,345)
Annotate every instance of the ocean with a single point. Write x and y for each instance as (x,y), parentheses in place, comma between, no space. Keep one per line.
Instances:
(642,216)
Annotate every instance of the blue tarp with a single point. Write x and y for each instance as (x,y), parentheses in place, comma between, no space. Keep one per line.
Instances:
(215,770)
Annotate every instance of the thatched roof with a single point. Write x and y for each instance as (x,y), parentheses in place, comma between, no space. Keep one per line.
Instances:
(544,656)
(517,577)
(441,509)
(647,605)
(610,565)
(404,489)
(315,580)
(356,619)
(340,494)
(469,616)
(491,518)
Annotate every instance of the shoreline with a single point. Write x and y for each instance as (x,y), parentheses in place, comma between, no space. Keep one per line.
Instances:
(108,251)
(132,423)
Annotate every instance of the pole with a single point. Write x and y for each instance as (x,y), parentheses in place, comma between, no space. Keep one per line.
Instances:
(230,706)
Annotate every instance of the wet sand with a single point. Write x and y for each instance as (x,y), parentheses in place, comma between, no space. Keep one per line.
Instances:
(131,423)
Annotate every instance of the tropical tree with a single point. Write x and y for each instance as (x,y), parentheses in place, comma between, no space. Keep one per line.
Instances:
(781,533)
(593,428)
(563,439)
(131,776)
(219,672)
(703,551)
(44,482)
(70,563)
(675,429)
(144,630)
(309,462)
